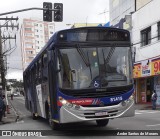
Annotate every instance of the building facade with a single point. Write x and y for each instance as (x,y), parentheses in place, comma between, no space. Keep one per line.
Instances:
(141,18)
(118,10)
(34,35)
(121,12)
(146,41)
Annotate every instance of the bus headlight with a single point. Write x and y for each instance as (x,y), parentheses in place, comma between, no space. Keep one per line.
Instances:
(77,107)
(124,103)
(68,104)
(131,97)
(65,102)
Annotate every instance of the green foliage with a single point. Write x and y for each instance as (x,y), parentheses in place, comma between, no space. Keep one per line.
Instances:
(17,84)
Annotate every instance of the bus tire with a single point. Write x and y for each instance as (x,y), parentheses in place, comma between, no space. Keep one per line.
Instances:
(1,115)
(102,123)
(53,125)
(34,117)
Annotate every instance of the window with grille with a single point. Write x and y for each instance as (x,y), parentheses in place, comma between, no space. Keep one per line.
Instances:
(146,36)
(158,25)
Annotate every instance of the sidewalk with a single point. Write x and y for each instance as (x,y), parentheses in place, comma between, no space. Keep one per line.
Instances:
(147,106)
(11,116)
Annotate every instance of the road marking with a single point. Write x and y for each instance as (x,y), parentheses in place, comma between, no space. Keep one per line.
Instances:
(20,122)
(154,125)
(138,113)
(146,112)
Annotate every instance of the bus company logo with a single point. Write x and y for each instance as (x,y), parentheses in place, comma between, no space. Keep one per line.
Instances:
(7,133)
(96,101)
(114,99)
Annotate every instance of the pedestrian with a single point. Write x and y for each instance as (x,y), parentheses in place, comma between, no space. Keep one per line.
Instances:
(154,99)
(4,106)
(1,107)
(11,96)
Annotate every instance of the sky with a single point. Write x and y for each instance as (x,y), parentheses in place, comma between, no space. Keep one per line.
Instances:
(74,11)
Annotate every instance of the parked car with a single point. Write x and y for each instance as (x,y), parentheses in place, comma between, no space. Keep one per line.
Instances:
(15,94)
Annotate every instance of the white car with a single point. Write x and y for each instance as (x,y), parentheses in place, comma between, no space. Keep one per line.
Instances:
(15,94)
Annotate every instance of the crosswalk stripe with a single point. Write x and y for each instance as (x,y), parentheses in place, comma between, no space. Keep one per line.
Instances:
(145,112)
(137,113)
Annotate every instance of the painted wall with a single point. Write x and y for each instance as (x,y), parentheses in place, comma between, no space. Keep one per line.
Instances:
(141,3)
(120,8)
(141,19)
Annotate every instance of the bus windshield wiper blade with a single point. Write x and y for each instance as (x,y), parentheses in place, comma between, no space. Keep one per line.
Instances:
(110,54)
(83,56)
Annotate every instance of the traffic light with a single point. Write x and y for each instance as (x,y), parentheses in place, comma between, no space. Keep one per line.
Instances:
(58,12)
(47,14)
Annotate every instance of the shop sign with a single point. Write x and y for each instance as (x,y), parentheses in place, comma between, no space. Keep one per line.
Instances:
(146,68)
(137,70)
(156,66)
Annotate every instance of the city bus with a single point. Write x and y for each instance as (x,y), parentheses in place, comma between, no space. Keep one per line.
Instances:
(81,74)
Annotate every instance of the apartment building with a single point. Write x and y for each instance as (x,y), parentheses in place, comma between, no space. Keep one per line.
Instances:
(34,34)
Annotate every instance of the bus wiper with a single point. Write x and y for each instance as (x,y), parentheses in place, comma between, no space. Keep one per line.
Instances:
(83,56)
(110,54)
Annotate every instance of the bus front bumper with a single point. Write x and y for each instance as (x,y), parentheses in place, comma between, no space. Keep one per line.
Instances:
(123,109)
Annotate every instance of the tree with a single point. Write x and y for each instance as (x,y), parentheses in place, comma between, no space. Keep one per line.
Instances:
(17,84)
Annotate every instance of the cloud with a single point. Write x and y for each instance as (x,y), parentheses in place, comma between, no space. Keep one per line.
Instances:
(15,75)
(75,11)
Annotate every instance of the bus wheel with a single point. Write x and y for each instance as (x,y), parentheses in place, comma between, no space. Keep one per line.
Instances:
(34,117)
(53,125)
(102,123)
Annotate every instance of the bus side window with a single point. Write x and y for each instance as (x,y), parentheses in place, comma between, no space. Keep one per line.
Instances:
(44,68)
(40,71)
(37,73)
(34,73)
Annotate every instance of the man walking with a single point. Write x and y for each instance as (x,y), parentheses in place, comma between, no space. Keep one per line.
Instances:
(154,99)
(1,107)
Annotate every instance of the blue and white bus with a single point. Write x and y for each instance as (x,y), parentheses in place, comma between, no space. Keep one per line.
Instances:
(81,74)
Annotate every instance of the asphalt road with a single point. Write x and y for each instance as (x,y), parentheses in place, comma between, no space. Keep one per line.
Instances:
(148,120)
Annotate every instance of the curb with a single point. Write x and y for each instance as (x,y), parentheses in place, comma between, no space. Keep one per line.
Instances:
(18,118)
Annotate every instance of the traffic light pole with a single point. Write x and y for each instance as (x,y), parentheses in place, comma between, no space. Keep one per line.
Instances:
(28,9)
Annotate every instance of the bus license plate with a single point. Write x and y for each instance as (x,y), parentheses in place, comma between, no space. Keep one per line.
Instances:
(100,113)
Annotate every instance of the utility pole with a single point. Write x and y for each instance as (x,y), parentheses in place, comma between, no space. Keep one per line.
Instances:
(2,72)
(1,63)
(2,54)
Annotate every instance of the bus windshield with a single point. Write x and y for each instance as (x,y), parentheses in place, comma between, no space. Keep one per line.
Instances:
(94,67)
